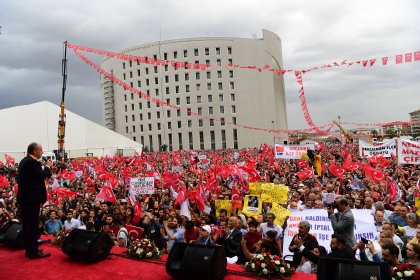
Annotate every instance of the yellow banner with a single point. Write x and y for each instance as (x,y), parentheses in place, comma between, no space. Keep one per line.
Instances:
(223,204)
(270,192)
(252,205)
(255,188)
(280,212)
(417,204)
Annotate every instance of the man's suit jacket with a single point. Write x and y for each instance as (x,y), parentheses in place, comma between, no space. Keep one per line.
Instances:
(344,253)
(343,224)
(31,180)
(232,243)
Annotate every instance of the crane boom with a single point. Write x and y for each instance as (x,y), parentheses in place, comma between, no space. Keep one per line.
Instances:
(345,133)
(62,116)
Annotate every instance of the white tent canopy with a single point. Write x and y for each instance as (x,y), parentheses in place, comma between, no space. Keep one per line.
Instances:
(38,122)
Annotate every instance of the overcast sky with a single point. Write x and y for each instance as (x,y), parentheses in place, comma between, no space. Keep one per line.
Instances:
(312,33)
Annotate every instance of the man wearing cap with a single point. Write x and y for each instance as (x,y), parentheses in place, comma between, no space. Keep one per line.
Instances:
(204,237)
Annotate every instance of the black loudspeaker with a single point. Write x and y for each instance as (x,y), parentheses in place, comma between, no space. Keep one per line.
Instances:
(194,261)
(11,235)
(340,269)
(88,246)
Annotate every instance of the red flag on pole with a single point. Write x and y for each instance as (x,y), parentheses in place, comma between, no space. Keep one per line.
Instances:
(417,56)
(107,194)
(236,197)
(9,159)
(134,232)
(199,201)
(305,174)
(337,171)
(4,182)
(137,213)
(408,57)
(182,195)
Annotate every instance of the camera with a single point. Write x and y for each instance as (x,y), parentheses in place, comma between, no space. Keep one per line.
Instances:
(364,240)
(332,205)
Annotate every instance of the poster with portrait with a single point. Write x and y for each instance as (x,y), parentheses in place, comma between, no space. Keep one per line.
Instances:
(252,205)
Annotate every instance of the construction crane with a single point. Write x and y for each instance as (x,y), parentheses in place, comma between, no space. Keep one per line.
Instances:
(345,133)
(62,116)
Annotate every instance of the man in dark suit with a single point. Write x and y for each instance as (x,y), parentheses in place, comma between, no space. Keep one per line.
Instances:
(31,195)
(343,221)
(338,246)
(230,238)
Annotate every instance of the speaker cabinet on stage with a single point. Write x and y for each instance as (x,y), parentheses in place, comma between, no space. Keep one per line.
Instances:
(194,261)
(88,246)
(340,269)
(11,235)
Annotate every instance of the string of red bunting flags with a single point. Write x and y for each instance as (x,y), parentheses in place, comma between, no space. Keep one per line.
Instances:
(163,103)
(408,57)
(399,59)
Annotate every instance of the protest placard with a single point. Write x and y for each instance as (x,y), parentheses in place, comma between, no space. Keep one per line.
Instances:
(142,185)
(280,212)
(291,151)
(386,149)
(252,205)
(223,204)
(321,228)
(408,152)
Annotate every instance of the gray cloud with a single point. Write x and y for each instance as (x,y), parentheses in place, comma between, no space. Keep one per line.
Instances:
(312,33)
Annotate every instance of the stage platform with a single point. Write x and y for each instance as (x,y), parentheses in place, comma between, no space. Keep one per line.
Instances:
(15,266)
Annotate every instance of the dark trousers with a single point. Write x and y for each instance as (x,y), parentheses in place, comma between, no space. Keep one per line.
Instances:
(30,220)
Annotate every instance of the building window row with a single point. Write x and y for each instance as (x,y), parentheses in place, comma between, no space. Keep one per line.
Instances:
(191,140)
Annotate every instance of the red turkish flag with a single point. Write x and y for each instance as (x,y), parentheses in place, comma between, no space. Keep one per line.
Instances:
(236,198)
(372,61)
(212,184)
(391,188)
(384,60)
(68,175)
(305,174)
(182,195)
(353,166)
(192,195)
(337,171)
(137,213)
(417,56)
(408,57)
(399,59)
(170,180)
(134,232)
(374,174)
(9,159)
(63,192)
(107,194)
(302,164)
(4,183)
(199,200)
(104,175)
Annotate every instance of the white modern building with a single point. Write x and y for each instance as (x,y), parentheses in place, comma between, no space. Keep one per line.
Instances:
(222,94)
(415,117)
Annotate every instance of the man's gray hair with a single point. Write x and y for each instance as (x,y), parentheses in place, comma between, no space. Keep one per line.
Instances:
(379,204)
(306,224)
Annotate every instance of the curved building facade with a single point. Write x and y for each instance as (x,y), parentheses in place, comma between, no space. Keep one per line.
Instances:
(229,94)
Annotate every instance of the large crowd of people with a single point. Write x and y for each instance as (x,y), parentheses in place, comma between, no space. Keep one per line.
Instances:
(207,176)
